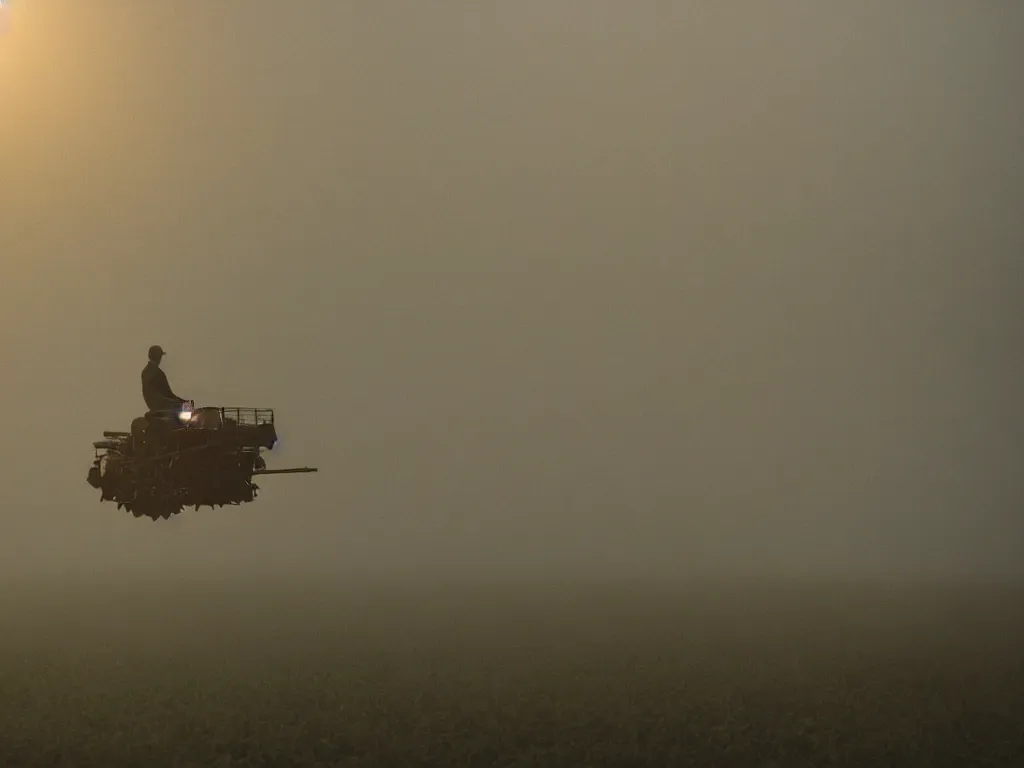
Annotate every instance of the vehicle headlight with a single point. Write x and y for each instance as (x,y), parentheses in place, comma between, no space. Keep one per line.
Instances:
(185,415)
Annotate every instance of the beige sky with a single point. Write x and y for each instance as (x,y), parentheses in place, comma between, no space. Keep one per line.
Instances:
(538,285)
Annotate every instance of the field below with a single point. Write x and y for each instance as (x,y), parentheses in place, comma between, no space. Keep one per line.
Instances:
(600,675)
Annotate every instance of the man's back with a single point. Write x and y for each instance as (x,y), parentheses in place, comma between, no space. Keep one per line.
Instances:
(156,390)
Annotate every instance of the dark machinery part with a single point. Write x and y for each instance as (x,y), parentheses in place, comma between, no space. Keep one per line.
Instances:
(206,458)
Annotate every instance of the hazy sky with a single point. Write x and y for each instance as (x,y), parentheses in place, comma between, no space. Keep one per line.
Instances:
(541,284)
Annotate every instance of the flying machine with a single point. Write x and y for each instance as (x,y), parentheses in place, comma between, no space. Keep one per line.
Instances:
(192,457)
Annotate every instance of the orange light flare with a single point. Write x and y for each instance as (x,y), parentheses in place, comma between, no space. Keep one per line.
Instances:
(55,64)
(58,60)
(7,27)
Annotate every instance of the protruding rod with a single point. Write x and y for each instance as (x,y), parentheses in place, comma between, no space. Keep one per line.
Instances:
(117,434)
(293,471)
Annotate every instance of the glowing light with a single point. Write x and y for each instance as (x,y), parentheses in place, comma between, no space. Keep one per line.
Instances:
(185,415)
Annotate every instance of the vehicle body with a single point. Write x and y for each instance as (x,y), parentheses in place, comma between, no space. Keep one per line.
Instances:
(187,458)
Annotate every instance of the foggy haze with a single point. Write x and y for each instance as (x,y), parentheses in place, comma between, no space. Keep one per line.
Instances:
(541,287)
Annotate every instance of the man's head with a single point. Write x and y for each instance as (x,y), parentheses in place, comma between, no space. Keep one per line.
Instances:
(156,353)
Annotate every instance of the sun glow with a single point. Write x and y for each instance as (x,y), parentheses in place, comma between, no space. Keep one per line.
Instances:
(54,67)
(5,18)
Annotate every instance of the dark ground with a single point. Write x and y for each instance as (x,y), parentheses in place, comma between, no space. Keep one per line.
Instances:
(624,675)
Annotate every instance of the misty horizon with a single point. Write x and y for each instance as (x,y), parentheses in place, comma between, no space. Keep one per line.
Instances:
(668,290)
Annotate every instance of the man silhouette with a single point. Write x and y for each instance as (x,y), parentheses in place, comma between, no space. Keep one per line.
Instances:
(156,390)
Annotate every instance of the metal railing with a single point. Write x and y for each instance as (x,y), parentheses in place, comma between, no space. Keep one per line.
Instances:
(249,417)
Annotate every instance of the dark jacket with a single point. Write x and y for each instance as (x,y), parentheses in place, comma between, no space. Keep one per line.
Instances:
(156,391)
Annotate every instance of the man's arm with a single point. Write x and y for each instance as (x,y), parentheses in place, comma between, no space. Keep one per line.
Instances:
(165,387)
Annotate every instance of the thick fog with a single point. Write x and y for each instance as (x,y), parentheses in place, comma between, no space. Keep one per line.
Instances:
(542,287)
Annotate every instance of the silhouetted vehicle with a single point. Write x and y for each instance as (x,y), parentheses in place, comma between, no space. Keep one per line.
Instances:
(187,458)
